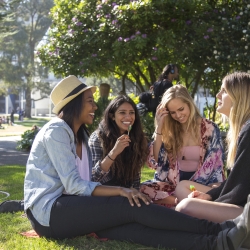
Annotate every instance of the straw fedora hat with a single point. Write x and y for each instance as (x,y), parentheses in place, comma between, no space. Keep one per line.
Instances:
(66,90)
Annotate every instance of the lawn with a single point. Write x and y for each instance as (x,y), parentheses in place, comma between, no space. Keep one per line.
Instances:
(21,126)
(11,181)
(29,122)
(33,121)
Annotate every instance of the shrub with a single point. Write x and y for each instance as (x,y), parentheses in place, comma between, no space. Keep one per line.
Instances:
(27,139)
(147,119)
(102,103)
(148,124)
(224,127)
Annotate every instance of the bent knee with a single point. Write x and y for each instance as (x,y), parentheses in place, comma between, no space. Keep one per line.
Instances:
(182,185)
(185,206)
(182,189)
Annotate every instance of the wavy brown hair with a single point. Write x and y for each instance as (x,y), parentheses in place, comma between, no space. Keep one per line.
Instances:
(172,129)
(127,164)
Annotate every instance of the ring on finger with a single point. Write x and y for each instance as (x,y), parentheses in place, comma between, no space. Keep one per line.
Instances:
(134,196)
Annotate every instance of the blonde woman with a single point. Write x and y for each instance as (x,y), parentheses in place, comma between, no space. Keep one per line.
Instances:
(227,200)
(185,147)
(62,202)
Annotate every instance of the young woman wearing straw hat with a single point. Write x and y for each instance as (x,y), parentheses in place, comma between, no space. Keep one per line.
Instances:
(62,202)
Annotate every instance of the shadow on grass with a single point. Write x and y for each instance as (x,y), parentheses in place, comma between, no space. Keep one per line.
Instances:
(11,181)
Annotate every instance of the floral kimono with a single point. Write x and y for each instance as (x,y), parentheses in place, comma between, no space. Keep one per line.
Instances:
(210,169)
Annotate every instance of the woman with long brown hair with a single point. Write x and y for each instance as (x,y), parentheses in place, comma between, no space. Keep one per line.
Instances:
(119,146)
(62,202)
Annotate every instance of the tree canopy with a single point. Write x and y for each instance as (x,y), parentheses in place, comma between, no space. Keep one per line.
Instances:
(136,39)
(18,69)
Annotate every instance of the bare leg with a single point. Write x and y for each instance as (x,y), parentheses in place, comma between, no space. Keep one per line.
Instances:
(209,210)
(168,200)
(183,189)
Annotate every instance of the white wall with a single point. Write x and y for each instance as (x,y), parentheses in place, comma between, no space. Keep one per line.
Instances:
(200,100)
(44,107)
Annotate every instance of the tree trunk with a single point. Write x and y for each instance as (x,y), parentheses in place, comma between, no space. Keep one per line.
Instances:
(214,110)
(196,82)
(30,85)
(138,83)
(143,76)
(151,74)
(123,91)
(28,102)
(215,91)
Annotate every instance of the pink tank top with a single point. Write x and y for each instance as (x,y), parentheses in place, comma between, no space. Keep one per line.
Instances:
(83,164)
(189,158)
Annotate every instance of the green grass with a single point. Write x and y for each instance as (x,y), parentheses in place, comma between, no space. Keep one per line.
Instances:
(11,181)
(147,174)
(29,122)
(22,126)
(32,121)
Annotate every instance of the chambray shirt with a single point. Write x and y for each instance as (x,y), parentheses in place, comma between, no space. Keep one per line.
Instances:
(51,170)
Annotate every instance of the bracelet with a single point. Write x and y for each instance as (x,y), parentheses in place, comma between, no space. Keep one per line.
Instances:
(158,133)
(110,158)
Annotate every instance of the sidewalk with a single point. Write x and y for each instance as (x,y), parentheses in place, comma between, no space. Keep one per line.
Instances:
(12,130)
(9,155)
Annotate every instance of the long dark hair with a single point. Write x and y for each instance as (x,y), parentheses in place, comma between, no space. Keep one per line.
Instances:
(165,72)
(71,111)
(128,164)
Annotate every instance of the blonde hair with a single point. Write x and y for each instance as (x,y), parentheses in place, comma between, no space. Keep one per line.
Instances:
(172,136)
(237,85)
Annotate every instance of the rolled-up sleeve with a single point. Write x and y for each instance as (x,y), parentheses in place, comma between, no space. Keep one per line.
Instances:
(56,144)
(97,155)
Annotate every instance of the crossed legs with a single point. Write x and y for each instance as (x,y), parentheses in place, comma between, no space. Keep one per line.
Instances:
(203,209)
(114,218)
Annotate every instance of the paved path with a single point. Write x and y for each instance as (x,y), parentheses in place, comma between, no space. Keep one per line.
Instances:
(12,130)
(8,153)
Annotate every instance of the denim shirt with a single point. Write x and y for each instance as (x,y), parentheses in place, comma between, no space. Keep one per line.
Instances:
(51,170)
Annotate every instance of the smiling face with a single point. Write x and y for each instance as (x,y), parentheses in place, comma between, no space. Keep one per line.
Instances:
(178,110)
(88,108)
(224,101)
(124,117)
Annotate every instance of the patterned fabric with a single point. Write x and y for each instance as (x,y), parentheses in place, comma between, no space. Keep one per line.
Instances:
(210,168)
(98,174)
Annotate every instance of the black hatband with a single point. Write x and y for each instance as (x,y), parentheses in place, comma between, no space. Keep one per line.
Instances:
(76,90)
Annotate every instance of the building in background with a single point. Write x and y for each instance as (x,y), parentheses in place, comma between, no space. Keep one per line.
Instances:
(203,99)
(42,107)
